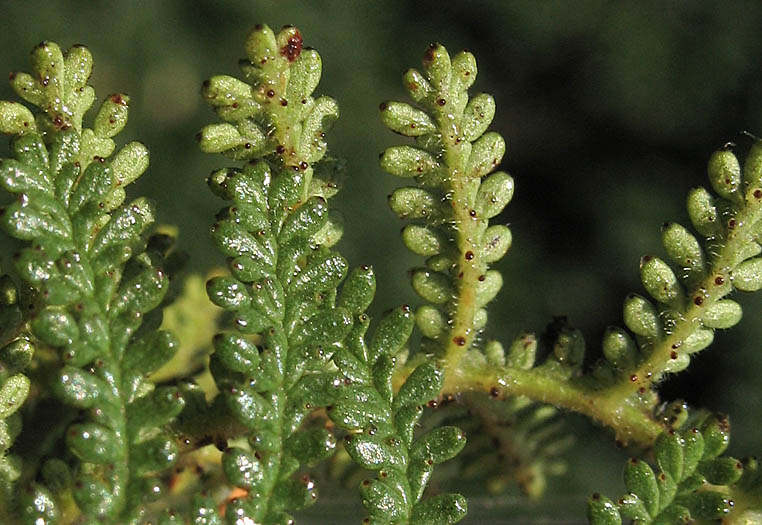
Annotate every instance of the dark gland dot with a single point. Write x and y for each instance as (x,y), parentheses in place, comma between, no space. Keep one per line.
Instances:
(469,255)
(633,378)
(472,213)
(494,392)
(719,280)
(482,277)
(459,340)
(441,102)
(283,102)
(382,106)
(758,194)
(698,300)
(270,93)
(280,149)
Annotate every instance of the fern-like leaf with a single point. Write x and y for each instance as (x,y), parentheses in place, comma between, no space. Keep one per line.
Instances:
(284,320)
(451,205)
(93,281)
(694,483)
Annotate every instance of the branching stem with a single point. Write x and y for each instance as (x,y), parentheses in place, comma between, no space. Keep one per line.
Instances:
(631,424)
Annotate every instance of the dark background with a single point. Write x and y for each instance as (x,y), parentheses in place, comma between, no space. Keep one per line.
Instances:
(609,110)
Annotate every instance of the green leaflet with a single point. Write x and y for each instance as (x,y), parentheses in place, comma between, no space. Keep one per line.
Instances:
(451,205)
(287,318)
(366,404)
(693,482)
(94,277)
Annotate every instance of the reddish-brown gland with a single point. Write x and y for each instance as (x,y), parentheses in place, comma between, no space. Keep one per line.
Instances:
(428,56)
(293,47)
(118,99)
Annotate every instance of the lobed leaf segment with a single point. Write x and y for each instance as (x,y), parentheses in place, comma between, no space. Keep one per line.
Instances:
(285,317)
(381,423)
(89,281)
(694,484)
(451,205)
(690,303)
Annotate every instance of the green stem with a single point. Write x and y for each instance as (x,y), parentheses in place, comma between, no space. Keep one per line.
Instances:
(629,422)
(469,264)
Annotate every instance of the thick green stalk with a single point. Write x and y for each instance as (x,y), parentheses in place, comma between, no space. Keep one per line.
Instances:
(630,422)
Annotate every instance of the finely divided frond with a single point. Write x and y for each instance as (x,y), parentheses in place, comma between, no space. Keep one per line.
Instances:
(453,200)
(690,301)
(285,321)
(93,281)
(694,482)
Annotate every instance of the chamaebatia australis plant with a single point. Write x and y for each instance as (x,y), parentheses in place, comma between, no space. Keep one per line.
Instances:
(106,416)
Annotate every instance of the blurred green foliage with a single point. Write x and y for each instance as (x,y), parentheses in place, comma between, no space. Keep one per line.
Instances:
(610,111)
